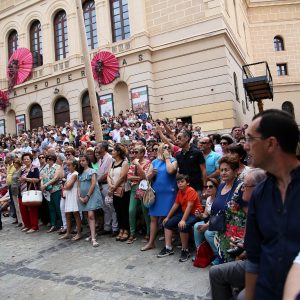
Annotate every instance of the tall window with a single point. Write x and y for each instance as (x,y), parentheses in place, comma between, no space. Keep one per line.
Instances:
(89,13)
(278,43)
(12,42)
(120,20)
(282,69)
(36,45)
(61,35)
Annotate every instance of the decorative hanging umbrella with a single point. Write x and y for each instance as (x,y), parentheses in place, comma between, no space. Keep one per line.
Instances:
(19,67)
(105,67)
(3,100)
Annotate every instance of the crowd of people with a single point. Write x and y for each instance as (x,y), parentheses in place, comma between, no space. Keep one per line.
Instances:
(202,183)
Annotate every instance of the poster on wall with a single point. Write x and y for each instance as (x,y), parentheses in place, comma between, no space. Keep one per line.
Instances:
(20,123)
(2,127)
(139,99)
(106,105)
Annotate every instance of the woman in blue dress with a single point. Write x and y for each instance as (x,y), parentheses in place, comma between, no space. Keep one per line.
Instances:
(89,194)
(162,172)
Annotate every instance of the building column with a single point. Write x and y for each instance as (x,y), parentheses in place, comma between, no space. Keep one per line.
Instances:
(48,47)
(103,23)
(73,35)
(137,17)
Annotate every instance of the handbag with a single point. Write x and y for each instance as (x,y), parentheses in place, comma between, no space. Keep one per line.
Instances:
(32,197)
(149,196)
(217,222)
(140,192)
(204,255)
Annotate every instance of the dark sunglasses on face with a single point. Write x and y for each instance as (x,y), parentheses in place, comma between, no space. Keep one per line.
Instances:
(224,143)
(41,157)
(209,186)
(166,147)
(203,143)
(136,152)
(155,149)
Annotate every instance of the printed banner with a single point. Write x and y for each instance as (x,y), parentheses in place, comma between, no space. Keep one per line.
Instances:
(139,98)
(20,123)
(2,126)
(106,106)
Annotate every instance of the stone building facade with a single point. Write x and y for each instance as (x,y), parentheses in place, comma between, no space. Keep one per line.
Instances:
(186,55)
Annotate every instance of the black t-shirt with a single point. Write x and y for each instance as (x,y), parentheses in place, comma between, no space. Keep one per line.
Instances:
(189,164)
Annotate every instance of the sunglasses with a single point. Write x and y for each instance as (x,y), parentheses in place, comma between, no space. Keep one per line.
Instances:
(40,157)
(136,152)
(203,143)
(224,143)
(155,149)
(209,186)
(166,148)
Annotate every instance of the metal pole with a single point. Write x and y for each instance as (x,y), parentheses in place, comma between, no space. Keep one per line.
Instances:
(89,74)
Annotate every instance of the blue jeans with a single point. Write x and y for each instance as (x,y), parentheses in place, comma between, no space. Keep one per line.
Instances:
(174,220)
(208,235)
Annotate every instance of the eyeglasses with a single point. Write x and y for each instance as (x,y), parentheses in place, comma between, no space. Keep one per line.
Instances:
(250,138)
(155,149)
(248,186)
(203,143)
(136,152)
(166,148)
(224,143)
(40,157)
(209,186)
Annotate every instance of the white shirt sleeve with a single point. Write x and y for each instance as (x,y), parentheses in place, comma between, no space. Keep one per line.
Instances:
(297,259)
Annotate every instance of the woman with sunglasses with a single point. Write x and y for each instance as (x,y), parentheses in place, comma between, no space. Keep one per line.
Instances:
(201,228)
(163,173)
(116,179)
(137,172)
(89,195)
(28,179)
(51,182)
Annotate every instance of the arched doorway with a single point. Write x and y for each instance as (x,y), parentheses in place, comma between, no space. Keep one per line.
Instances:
(61,112)
(86,108)
(11,122)
(121,96)
(36,116)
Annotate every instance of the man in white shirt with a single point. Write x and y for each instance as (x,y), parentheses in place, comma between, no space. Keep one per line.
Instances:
(26,148)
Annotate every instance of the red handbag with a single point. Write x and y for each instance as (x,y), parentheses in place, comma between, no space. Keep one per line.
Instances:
(204,256)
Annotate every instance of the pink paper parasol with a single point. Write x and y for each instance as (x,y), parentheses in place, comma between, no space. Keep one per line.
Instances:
(105,67)
(3,100)
(19,67)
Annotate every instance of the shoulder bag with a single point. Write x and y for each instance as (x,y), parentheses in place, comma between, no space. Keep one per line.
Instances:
(32,197)
(149,196)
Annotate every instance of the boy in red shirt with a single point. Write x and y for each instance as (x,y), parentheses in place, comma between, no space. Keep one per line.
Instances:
(187,198)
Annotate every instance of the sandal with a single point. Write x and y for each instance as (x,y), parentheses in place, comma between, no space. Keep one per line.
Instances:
(88,239)
(147,247)
(77,237)
(65,237)
(131,239)
(124,237)
(118,238)
(146,239)
(95,243)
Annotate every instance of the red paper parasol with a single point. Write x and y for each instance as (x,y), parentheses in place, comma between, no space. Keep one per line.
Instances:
(105,67)
(19,67)
(3,100)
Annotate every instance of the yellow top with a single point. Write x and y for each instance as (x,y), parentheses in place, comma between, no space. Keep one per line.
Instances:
(10,170)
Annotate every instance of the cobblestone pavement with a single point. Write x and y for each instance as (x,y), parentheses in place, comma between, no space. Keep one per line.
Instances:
(38,266)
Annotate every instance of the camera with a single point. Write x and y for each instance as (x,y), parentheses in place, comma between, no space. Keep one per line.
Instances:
(238,248)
